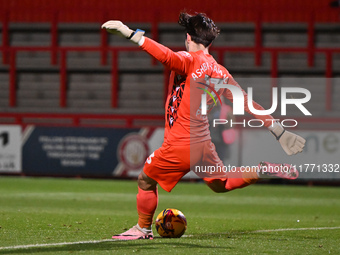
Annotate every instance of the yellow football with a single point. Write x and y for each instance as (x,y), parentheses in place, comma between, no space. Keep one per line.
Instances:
(171,223)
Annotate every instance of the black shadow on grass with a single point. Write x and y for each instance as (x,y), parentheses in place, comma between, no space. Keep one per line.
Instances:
(123,247)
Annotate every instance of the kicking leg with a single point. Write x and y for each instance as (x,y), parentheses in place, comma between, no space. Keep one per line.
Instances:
(220,181)
(234,180)
(216,185)
(242,177)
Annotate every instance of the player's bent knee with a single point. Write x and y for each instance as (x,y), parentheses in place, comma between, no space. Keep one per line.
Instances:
(218,189)
(145,182)
(217,186)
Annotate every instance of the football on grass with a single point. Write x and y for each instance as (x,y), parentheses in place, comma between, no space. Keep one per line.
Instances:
(171,223)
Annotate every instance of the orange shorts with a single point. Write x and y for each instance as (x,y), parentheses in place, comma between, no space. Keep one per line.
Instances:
(168,164)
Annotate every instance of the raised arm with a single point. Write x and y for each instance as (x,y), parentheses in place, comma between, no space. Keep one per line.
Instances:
(176,61)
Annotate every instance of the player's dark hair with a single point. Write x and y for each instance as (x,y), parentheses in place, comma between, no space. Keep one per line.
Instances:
(201,29)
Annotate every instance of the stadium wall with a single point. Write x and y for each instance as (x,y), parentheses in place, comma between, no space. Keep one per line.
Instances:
(76,151)
(121,152)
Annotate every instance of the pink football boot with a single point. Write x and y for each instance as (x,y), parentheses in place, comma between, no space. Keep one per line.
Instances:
(285,171)
(134,233)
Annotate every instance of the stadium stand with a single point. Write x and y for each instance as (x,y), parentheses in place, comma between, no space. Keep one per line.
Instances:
(56,62)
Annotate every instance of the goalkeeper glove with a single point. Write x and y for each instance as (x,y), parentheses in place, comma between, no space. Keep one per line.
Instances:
(290,142)
(117,27)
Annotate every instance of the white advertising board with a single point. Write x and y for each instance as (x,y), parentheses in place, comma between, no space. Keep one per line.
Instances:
(320,158)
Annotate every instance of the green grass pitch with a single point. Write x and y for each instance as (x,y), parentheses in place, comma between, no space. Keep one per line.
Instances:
(79,216)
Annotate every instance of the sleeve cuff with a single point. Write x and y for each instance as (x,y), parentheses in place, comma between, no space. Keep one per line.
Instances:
(274,125)
(141,41)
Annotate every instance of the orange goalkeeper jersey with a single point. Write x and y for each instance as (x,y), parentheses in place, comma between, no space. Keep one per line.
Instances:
(184,123)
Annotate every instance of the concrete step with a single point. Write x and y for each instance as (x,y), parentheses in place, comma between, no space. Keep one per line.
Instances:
(49,103)
(142,104)
(144,78)
(132,86)
(242,60)
(37,94)
(30,39)
(84,60)
(4,94)
(38,77)
(89,103)
(89,86)
(141,95)
(34,59)
(43,86)
(88,95)
(4,102)
(89,77)
(79,38)
(3,86)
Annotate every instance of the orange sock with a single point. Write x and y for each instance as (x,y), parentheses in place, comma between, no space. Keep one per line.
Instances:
(146,206)
(240,178)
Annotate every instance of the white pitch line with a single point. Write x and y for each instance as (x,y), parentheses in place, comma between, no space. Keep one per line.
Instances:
(271,230)
(112,240)
(56,244)
(291,229)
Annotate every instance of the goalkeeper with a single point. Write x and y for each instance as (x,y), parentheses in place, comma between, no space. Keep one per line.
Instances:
(187,141)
